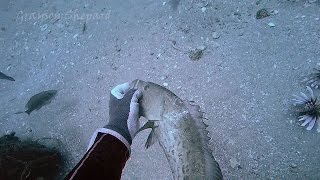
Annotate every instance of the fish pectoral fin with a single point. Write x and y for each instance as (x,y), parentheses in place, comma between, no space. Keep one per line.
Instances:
(151,138)
(147,125)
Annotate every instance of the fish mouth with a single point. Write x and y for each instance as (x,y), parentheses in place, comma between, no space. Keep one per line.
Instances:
(134,84)
(139,85)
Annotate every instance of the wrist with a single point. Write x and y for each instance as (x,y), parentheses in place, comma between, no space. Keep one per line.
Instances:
(123,132)
(111,132)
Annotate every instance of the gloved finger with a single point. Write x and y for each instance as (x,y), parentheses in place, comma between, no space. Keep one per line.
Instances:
(134,105)
(120,90)
(135,98)
(133,119)
(133,125)
(134,110)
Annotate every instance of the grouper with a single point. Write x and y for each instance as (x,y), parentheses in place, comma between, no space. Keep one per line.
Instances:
(179,128)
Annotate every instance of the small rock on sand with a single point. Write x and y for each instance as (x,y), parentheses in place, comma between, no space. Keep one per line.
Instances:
(271,24)
(215,35)
(262,13)
(44,27)
(234,163)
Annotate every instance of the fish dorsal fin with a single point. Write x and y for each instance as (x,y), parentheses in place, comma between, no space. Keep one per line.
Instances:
(212,166)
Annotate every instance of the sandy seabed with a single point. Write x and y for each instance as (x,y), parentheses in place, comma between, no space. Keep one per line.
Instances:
(244,80)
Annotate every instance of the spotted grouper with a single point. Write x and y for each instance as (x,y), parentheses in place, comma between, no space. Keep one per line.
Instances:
(179,128)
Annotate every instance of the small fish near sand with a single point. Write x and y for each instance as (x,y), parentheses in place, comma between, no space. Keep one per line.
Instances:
(39,100)
(3,76)
(179,128)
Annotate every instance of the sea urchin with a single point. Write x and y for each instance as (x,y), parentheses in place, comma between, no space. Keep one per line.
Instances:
(313,79)
(309,108)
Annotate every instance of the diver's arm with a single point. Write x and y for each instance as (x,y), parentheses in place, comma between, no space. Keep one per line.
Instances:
(105,159)
(109,147)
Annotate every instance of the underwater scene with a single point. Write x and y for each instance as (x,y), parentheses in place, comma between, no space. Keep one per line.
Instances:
(171,89)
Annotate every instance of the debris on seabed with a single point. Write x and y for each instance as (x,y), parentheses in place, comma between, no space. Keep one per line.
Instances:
(197,53)
(271,24)
(234,163)
(165,84)
(262,13)
(215,35)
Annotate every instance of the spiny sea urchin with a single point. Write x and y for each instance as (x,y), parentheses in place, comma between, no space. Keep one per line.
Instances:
(309,108)
(313,79)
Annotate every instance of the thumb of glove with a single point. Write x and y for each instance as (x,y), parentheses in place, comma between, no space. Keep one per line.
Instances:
(133,119)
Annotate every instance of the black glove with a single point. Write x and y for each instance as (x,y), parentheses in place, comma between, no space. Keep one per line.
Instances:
(124,111)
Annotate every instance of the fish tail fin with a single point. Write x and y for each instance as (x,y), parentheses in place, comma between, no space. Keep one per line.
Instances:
(11,79)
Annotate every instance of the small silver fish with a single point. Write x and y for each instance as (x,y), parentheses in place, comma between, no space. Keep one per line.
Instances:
(179,128)
(39,100)
(3,76)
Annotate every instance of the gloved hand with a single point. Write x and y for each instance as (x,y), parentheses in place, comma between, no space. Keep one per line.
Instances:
(124,111)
